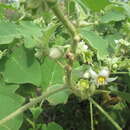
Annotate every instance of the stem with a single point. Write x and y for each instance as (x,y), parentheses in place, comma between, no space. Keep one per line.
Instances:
(75,36)
(120,73)
(91,115)
(58,12)
(30,122)
(105,113)
(102,91)
(30,104)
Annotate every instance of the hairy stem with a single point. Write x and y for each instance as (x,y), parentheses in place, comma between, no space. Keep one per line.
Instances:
(66,22)
(91,115)
(75,37)
(30,104)
(105,113)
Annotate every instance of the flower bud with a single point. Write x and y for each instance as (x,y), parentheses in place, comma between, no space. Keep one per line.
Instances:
(86,75)
(115,66)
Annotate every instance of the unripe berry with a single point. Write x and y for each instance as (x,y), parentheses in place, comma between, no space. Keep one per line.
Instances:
(55,53)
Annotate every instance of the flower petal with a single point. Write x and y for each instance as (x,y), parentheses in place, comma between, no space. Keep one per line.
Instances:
(86,75)
(104,72)
(93,74)
(111,79)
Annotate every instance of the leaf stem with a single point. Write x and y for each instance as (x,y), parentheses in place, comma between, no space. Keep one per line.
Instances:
(91,115)
(105,113)
(30,104)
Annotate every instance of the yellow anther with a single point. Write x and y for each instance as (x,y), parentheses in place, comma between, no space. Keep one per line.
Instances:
(101,80)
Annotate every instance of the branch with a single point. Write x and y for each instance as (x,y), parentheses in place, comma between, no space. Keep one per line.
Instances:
(30,104)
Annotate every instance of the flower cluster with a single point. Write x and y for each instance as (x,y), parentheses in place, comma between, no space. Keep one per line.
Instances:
(81,48)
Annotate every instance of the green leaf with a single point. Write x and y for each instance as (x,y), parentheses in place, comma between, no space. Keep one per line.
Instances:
(22,67)
(124,95)
(30,32)
(8,32)
(9,102)
(95,5)
(96,42)
(59,97)
(126,7)
(52,73)
(111,41)
(36,111)
(52,126)
(113,15)
(48,32)
(78,72)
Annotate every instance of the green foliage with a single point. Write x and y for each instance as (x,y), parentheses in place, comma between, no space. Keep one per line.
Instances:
(51,126)
(22,67)
(94,4)
(9,102)
(52,73)
(9,32)
(30,33)
(36,111)
(59,97)
(115,14)
(38,56)
(97,42)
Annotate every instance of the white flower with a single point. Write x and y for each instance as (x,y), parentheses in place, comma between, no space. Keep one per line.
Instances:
(102,78)
(81,47)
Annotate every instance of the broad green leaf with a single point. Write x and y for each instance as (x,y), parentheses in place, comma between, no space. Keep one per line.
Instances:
(48,33)
(22,67)
(96,42)
(126,7)
(52,73)
(52,126)
(59,97)
(124,95)
(95,5)
(113,15)
(9,102)
(8,32)
(30,32)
